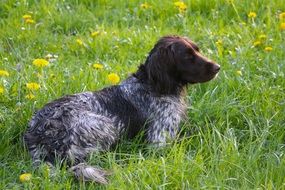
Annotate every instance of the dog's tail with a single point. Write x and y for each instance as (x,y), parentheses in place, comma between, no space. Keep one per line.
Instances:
(89,173)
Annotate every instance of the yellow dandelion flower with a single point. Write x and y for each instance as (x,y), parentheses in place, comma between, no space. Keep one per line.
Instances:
(256,43)
(25,177)
(79,42)
(33,86)
(282,26)
(4,73)
(27,17)
(180,5)
(262,37)
(97,66)
(40,62)
(251,14)
(268,48)
(114,78)
(239,72)
(94,34)
(1,90)
(145,6)
(282,16)
(30,21)
(30,96)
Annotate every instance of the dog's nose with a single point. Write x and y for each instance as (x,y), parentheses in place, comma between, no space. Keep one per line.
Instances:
(216,67)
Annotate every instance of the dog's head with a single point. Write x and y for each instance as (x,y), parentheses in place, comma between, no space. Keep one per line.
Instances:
(176,61)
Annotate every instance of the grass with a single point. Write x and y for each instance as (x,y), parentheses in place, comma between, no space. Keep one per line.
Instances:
(236,122)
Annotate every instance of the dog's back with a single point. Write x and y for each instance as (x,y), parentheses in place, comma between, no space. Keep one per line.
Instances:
(81,120)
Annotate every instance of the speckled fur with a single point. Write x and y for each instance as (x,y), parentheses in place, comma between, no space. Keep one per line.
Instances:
(75,125)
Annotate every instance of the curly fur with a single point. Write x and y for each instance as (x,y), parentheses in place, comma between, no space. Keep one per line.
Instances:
(151,100)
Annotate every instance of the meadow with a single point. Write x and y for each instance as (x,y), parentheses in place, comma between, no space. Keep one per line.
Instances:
(234,137)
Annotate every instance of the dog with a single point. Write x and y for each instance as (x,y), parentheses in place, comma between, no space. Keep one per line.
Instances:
(150,100)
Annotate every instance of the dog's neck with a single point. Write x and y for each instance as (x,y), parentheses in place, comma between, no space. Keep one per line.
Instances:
(174,89)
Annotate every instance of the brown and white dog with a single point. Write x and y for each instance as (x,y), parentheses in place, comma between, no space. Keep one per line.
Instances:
(151,100)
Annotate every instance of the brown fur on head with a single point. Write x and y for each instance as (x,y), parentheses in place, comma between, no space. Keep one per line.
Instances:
(175,62)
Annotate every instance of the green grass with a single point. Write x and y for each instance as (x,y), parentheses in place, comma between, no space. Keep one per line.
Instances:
(236,122)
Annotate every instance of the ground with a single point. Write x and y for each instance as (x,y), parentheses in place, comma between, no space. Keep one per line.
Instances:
(234,135)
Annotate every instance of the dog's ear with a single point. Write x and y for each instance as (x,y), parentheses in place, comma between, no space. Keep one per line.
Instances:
(160,68)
